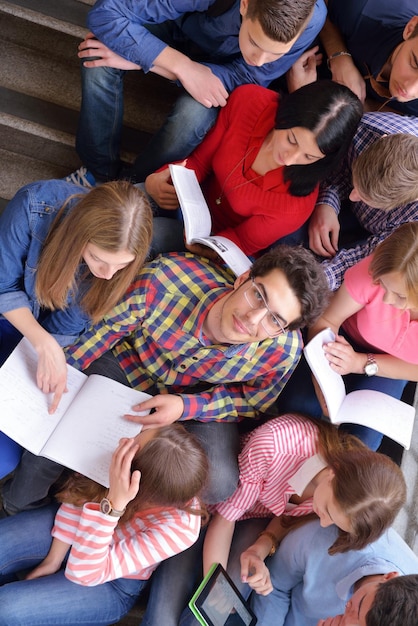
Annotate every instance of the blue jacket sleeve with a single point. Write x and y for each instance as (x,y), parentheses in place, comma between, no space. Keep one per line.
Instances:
(120,25)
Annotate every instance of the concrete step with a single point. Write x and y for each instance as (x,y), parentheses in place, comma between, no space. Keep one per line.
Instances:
(40,91)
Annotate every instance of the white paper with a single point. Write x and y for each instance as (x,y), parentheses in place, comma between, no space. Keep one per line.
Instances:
(198,223)
(368,407)
(85,429)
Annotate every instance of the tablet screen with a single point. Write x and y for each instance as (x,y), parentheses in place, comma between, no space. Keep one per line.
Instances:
(218,602)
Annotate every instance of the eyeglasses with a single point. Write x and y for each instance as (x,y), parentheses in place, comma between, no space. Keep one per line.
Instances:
(272,323)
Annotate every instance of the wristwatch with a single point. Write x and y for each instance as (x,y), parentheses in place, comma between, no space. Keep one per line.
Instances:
(107,508)
(371,368)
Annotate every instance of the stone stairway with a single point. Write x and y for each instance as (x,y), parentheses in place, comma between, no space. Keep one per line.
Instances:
(40,93)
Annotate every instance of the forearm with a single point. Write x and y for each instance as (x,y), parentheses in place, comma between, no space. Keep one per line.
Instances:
(24,321)
(331,38)
(389,366)
(217,543)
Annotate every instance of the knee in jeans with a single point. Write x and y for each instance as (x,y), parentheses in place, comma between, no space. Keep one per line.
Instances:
(100,77)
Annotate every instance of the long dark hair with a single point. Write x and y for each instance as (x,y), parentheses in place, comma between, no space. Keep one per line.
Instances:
(332,112)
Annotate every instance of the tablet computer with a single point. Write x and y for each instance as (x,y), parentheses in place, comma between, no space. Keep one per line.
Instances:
(217,601)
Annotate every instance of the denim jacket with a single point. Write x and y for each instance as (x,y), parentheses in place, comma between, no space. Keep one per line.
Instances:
(24,225)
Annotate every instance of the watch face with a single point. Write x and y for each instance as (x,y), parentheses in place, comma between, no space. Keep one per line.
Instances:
(371,369)
(105,506)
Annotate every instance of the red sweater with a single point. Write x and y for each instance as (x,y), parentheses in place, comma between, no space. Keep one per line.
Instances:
(253,215)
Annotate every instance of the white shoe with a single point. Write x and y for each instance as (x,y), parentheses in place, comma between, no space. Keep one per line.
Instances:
(82,177)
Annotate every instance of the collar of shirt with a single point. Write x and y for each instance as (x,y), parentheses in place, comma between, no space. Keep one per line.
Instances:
(306,472)
(345,587)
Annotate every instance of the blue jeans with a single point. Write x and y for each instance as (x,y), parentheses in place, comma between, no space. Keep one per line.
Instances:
(101,117)
(177,578)
(167,228)
(51,600)
(299,396)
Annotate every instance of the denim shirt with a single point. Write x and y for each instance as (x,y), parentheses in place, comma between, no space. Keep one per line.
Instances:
(24,225)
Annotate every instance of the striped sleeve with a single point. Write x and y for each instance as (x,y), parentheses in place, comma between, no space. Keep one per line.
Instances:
(102,551)
(271,455)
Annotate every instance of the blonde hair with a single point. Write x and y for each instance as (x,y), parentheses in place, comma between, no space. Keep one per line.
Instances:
(115,217)
(386,172)
(174,469)
(398,253)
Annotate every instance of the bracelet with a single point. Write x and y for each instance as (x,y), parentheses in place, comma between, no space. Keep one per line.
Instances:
(343,53)
(274,541)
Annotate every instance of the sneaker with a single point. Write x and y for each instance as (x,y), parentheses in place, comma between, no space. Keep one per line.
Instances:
(82,177)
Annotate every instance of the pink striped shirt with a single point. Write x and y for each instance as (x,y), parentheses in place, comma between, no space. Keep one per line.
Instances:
(269,460)
(101,550)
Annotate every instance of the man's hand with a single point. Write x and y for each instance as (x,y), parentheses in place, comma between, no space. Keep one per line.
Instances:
(51,374)
(202,84)
(161,189)
(303,71)
(345,72)
(324,229)
(91,47)
(255,572)
(168,409)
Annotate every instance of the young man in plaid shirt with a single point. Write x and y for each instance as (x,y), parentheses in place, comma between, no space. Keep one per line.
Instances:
(210,349)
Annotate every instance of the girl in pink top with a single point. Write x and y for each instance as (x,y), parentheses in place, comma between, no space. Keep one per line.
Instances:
(109,543)
(293,466)
(376,309)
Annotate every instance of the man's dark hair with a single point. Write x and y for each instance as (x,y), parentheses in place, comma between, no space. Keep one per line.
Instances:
(280,20)
(304,275)
(395,603)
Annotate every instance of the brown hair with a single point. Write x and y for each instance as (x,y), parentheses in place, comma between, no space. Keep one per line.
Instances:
(368,487)
(399,253)
(173,468)
(305,276)
(280,20)
(386,172)
(115,216)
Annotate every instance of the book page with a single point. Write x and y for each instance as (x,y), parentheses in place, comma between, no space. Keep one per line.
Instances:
(377,410)
(90,431)
(228,251)
(330,382)
(24,413)
(196,215)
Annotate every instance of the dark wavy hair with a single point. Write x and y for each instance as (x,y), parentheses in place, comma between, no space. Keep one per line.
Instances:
(305,276)
(332,112)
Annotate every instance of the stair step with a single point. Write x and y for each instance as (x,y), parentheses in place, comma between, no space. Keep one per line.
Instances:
(65,16)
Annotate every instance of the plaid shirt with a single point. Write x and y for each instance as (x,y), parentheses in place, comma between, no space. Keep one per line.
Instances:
(156,334)
(378,222)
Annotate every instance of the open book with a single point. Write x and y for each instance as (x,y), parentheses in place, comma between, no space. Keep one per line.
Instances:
(366,407)
(85,429)
(198,223)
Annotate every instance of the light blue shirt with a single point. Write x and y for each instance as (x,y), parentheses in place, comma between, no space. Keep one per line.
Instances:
(309,584)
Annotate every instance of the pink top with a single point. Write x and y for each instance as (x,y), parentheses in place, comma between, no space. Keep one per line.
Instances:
(252,214)
(102,551)
(378,326)
(273,467)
